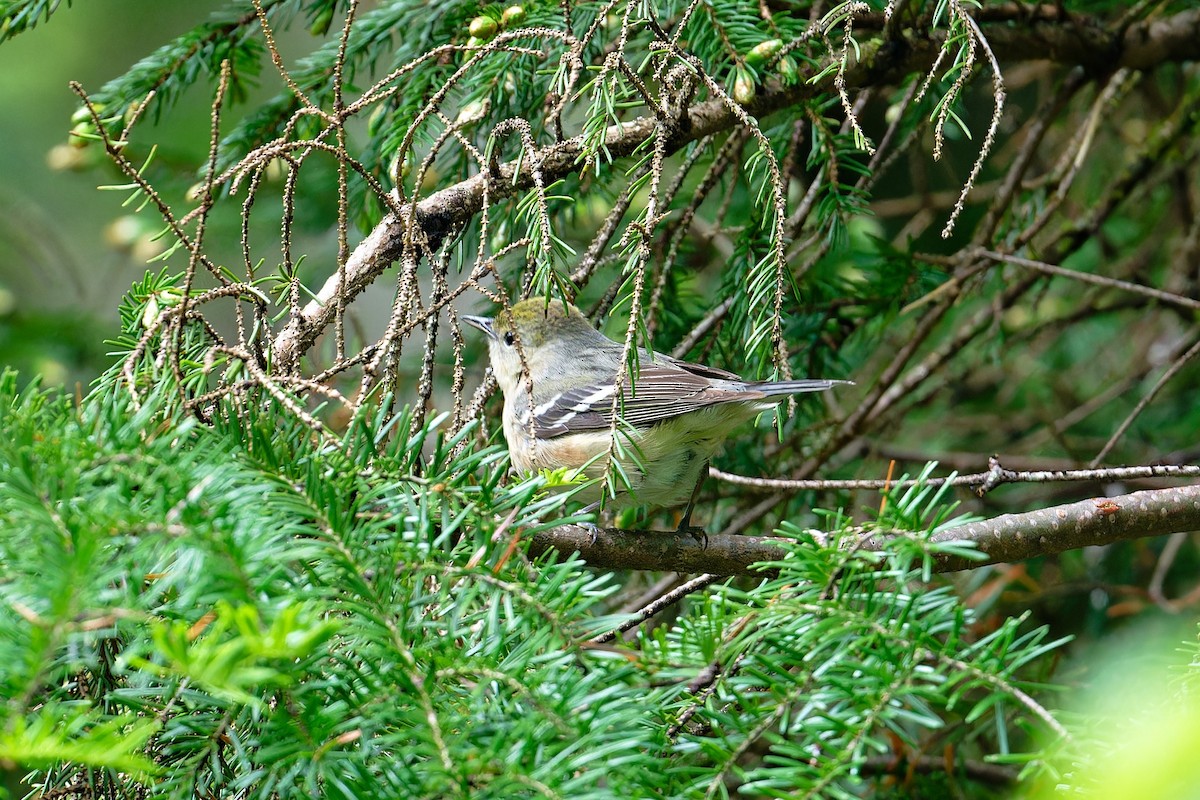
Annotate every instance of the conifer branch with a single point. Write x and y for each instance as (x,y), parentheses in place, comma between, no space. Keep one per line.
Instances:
(1008,538)
(1048,34)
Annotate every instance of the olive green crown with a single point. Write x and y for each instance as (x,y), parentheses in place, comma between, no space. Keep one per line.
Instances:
(537,320)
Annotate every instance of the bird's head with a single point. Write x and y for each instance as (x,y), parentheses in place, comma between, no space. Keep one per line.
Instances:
(540,331)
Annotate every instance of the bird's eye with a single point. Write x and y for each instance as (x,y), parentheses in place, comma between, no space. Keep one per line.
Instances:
(509,338)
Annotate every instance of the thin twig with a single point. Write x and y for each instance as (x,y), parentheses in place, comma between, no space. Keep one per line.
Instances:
(992,478)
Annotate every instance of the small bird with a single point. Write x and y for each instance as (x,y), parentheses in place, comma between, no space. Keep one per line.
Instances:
(669,420)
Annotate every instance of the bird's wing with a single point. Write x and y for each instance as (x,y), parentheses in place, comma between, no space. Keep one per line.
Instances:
(664,388)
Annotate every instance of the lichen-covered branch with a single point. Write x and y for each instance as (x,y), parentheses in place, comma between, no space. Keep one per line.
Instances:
(1047,34)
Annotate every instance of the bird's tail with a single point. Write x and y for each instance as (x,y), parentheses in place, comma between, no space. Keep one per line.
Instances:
(771,388)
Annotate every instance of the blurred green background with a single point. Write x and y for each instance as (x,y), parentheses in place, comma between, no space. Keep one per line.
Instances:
(68,251)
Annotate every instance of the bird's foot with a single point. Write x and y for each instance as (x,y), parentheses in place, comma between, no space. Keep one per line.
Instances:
(592,529)
(685,527)
(699,534)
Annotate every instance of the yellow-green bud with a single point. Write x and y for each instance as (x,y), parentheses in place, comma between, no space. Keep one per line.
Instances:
(483,28)
(81,134)
(150,314)
(513,16)
(159,301)
(500,236)
(399,171)
(744,89)
(51,370)
(82,114)
(122,232)
(63,157)
(375,121)
(788,71)
(472,112)
(763,52)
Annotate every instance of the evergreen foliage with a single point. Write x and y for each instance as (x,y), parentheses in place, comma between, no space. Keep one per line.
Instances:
(272,555)
(242,610)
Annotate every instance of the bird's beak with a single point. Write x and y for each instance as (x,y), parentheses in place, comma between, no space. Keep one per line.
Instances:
(483,323)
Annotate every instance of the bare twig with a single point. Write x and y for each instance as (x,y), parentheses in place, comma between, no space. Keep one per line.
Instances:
(995,476)
(1169,298)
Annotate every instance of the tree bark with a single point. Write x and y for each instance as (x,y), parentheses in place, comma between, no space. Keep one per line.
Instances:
(1012,537)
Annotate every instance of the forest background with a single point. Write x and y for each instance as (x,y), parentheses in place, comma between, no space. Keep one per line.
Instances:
(263,540)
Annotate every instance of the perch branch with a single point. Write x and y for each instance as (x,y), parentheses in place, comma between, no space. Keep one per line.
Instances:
(1008,538)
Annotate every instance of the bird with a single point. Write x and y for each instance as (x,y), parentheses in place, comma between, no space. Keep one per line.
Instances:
(561,409)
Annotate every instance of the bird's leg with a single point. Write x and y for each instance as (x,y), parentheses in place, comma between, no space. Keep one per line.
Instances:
(686,522)
(592,528)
